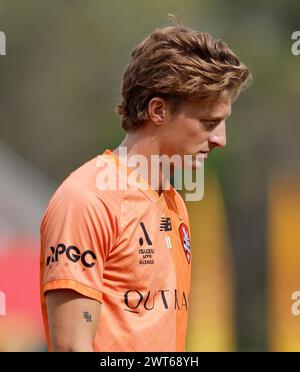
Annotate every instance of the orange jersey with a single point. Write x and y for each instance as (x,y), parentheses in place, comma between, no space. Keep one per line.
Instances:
(128,249)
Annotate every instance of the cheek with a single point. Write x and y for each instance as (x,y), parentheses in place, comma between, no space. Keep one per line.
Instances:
(196,133)
(192,138)
(186,134)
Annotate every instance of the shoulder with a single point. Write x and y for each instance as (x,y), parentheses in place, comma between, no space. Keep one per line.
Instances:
(80,192)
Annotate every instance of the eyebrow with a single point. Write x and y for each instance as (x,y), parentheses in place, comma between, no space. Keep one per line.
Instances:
(215,118)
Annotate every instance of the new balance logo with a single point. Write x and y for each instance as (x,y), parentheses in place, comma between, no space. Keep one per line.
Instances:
(165,224)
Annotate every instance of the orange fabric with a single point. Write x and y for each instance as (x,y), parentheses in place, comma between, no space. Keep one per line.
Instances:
(128,249)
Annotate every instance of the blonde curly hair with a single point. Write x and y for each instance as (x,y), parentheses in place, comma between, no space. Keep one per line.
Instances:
(177,63)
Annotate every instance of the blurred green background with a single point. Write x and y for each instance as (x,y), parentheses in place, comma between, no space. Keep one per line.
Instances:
(59,84)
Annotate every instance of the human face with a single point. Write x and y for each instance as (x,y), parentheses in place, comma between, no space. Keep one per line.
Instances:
(197,129)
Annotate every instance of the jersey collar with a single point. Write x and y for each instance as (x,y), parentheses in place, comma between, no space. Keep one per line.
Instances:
(146,189)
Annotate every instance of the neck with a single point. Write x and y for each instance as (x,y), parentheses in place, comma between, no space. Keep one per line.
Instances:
(146,144)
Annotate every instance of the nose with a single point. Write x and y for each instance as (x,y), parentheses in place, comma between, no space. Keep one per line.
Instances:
(218,136)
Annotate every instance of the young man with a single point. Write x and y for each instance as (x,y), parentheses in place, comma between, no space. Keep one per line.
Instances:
(116,262)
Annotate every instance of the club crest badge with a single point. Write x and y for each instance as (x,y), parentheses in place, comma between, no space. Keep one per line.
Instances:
(185,240)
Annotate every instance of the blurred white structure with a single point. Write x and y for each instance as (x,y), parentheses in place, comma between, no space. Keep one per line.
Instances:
(24,193)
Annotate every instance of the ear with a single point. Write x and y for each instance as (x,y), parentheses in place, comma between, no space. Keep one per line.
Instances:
(157,110)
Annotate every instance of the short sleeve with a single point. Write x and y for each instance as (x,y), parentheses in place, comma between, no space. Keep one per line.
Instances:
(77,233)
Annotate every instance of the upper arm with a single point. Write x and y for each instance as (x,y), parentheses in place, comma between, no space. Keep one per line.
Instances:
(77,233)
(73,320)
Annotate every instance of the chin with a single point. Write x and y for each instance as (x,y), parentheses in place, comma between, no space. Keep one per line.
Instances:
(193,163)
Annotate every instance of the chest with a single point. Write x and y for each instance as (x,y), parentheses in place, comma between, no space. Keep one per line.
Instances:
(154,248)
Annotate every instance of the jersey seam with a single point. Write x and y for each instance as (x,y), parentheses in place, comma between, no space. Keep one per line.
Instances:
(73,280)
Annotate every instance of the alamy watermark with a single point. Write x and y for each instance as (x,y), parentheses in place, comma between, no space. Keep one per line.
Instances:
(2,303)
(187,172)
(2,44)
(296,44)
(295,309)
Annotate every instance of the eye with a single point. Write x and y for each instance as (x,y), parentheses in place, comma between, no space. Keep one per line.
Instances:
(211,124)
